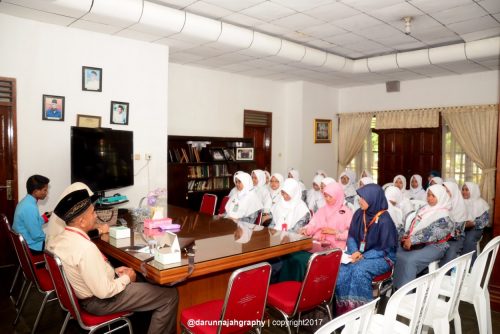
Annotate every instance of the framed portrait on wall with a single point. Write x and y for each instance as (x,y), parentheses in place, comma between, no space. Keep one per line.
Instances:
(322,131)
(52,108)
(244,153)
(119,113)
(91,79)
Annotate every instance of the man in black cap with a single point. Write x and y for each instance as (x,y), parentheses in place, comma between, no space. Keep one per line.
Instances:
(53,112)
(101,288)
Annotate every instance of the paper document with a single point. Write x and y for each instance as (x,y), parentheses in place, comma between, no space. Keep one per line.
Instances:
(346,258)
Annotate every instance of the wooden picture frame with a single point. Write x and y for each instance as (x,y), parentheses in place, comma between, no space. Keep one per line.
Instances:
(52,108)
(244,153)
(88,121)
(119,113)
(217,154)
(322,131)
(91,79)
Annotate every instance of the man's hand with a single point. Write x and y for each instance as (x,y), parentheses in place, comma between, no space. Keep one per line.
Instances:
(103,228)
(120,271)
(356,256)
(406,243)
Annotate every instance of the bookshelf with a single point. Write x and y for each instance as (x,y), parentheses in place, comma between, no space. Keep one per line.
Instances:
(199,165)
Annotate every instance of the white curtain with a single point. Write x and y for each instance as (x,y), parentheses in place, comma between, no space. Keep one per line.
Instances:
(475,129)
(408,119)
(353,130)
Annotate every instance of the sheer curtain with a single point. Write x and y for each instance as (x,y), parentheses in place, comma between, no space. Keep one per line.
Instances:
(353,130)
(475,129)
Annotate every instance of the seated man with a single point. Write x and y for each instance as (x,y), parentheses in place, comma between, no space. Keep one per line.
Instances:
(101,288)
(27,219)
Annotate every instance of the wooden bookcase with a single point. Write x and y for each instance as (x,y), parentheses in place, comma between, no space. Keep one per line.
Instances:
(199,165)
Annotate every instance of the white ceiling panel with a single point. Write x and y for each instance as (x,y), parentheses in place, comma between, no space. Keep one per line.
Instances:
(267,11)
(321,44)
(404,75)
(331,12)
(492,6)
(433,6)
(238,67)
(206,51)
(95,26)
(133,34)
(233,5)
(176,44)
(396,12)
(322,30)
(300,5)
(369,5)
(120,13)
(365,46)
(272,29)
(71,8)
(235,57)
(207,9)
(408,46)
(297,21)
(242,20)
(299,37)
(179,4)
(482,23)
(431,71)
(33,14)
(357,22)
(347,38)
(493,64)
(477,35)
(464,67)
(459,14)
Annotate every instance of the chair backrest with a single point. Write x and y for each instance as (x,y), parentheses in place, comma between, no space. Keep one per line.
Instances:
(350,320)
(480,274)
(222,207)
(409,219)
(420,286)
(246,297)
(258,220)
(208,203)
(459,267)
(320,279)
(24,258)
(64,291)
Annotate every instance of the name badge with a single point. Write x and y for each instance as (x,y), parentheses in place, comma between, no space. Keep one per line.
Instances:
(235,208)
(362,247)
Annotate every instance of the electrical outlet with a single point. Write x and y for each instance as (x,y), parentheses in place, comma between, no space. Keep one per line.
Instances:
(137,156)
(147,156)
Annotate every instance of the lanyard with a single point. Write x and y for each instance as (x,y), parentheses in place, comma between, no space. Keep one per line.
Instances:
(85,237)
(374,219)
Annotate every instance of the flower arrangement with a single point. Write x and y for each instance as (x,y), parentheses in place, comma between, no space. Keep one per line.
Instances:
(157,201)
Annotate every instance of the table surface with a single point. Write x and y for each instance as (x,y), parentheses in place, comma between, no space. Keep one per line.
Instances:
(219,244)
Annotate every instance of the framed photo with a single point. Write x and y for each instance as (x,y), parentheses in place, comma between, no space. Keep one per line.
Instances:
(322,131)
(53,108)
(119,113)
(88,121)
(91,79)
(229,154)
(244,153)
(217,155)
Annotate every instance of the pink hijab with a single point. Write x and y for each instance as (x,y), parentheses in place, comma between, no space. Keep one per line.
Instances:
(336,216)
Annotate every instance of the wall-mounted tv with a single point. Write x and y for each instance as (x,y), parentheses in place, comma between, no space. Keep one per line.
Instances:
(102,158)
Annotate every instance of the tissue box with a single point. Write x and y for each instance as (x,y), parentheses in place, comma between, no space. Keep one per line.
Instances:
(119,232)
(167,255)
(119,243)
(157,223)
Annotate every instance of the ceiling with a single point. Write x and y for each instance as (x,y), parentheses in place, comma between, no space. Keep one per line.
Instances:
(336,43)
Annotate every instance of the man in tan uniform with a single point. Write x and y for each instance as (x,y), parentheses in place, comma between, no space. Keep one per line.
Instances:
(101,288)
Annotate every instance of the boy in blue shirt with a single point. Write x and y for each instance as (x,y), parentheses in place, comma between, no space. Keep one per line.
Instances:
(27,219)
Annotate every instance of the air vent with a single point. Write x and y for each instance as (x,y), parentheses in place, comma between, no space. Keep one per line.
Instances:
(256,118)
(6,91)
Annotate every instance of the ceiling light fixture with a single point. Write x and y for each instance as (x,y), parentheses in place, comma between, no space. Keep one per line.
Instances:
(407,20)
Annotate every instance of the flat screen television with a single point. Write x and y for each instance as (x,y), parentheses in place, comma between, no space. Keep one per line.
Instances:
(102,158)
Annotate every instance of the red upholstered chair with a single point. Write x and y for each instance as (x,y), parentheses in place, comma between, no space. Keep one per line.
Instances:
(69,302)
(208,203)
(39,277)
(222,207)
(245,302)
(382,283)
(258,220)
(5,230)
(291,297)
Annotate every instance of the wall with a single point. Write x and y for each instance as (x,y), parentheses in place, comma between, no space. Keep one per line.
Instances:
(48,59)
(456,90)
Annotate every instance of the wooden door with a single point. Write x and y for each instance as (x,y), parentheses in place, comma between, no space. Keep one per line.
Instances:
(258,125)
(408,152)
(8,158)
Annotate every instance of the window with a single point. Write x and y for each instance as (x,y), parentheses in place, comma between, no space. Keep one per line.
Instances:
(367,158)
(456,164)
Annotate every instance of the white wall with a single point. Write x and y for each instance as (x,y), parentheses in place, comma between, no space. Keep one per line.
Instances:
(456,90)
(48,59)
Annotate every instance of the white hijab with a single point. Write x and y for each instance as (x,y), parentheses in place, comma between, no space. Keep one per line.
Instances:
(458,211)
(364,181)
(429,214)
(365,173)
(349,188)
(393,193)
(289,212)
(56,225)
(296,176)
(475,205)
(404,192)
(437,180)
(276,194)
(315,199)
(327,180)
(418,192)
(245,202)
(261,190)
(321,172)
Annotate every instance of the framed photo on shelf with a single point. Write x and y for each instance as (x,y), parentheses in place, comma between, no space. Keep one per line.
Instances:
(91,79)
(229,153)
(217,155)
(322,131)
(53,108)
(119,113)
(88,121)
(244,153)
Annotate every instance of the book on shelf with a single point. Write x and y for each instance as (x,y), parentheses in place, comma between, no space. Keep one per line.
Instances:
(184,155)
(177,155)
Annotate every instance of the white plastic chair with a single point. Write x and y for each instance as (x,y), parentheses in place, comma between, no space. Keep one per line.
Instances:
(355,321)
(442,311)
(475,287)
(387,323)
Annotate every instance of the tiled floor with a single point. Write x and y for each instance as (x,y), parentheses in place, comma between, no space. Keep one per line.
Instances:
(53,316)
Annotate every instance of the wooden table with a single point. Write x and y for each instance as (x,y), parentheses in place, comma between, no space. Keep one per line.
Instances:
(221,246)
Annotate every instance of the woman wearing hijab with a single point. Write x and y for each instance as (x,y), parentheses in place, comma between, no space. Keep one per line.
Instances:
(294,174)
(268,177)
(321,172)
(244,205)
(275,184)
(425,239)
(348,180)
(436,180)
(394,197)
(364,181)
(400,182)
(416,190)
(372,244)
(261,190)
(328,227)
(314,195)
(365,173)
(478,217)
(458,215)
(290,213)
(326,181)
(432,174)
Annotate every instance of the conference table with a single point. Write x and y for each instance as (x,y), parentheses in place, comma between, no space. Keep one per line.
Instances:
(219,247)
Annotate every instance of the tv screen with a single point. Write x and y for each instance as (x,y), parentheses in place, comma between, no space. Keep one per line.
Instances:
(102,158)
